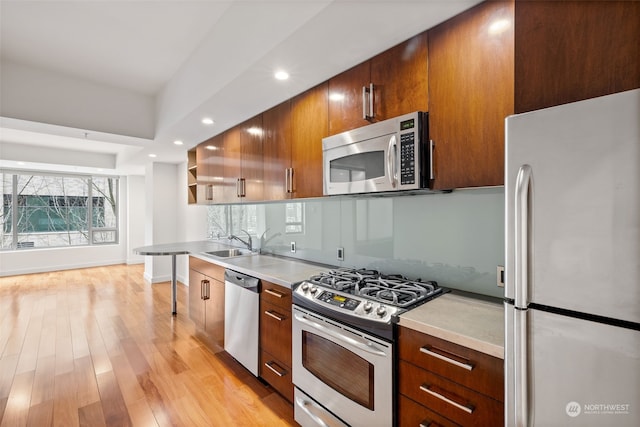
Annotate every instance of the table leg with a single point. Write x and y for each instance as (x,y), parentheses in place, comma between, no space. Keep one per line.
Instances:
(174,286)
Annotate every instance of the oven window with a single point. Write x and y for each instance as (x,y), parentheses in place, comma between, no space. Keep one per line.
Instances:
(339,368)
(357,167)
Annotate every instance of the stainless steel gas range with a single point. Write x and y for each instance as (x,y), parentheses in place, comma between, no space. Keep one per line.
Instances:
(343,345)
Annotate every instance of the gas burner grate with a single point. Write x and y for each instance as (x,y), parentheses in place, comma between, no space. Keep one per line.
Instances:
(392,289)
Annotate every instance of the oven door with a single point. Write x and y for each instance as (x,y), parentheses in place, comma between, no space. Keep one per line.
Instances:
(362,167)
(347,371)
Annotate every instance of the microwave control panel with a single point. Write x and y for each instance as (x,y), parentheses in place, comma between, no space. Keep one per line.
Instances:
(407,159)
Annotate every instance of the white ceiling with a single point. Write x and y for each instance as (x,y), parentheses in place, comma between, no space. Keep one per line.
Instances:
(196,58)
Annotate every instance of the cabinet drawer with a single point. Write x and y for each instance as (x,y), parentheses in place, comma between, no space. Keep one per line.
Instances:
(462,365)
(207,268)
(275,294)
(451,400)
(277,374)
(411,414)
(275,331)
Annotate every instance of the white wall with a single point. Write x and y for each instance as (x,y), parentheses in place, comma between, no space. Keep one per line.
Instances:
(161,218)
(54,259)
(31,94)
(135,217)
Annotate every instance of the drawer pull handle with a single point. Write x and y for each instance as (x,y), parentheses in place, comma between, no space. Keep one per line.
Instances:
(275,316)
(274,293)
(431,352)
(429,423)
(466,408)
(275,371)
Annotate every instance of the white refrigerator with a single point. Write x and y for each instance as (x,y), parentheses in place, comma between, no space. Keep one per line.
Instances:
(572,291)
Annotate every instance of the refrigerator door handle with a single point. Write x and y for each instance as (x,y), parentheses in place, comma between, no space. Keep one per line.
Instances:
(521,398)
(521,287)
(521,234)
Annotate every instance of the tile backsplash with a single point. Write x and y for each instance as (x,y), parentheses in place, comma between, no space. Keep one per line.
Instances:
(454,238)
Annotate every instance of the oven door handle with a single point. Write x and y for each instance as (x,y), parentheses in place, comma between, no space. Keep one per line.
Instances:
(308,408)
(357,342)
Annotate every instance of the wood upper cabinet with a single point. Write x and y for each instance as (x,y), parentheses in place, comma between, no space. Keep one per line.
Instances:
(276,153)
(239,164)
(309,124)
(471,92)
(573,50)
(251,177)
(192,177)
(399,78)
(209,155)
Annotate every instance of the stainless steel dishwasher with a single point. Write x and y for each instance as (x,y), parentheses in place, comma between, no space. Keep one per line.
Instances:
(241,316)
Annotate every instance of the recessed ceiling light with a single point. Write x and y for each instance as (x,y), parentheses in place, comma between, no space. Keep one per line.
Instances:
(177,142)
(207,121)
(152,155)
(281,75)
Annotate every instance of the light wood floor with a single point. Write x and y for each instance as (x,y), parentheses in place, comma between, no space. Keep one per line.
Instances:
(99,347)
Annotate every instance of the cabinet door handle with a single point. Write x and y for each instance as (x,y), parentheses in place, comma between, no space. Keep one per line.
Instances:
(274,293)
(209,192)
(432,146)
(280,373)
(289,176)
(207,290)
(274,315)
(241,187)
(367,90)
(442,355)
(430,389)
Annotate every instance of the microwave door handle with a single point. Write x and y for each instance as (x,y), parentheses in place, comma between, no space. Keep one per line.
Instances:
(392,160)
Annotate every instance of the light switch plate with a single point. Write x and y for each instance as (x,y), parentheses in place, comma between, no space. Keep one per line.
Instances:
(340,254)
(293,247)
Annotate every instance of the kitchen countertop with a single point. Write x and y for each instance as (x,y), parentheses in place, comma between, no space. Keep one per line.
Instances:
(275,269)
(461,319)
(474,323)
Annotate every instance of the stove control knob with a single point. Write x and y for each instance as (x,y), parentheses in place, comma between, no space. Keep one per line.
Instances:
(313,289)
(381,311)
(367,307)
(304,287)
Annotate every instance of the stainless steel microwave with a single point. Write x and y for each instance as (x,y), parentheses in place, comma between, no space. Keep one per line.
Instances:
(391,155)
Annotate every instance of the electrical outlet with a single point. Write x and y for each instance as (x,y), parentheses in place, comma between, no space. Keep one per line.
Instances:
(500,276)
(340,254)
(293,247)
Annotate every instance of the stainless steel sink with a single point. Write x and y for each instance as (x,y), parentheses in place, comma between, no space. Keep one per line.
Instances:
(228,253)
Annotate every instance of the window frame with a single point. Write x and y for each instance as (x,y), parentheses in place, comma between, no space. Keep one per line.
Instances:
(90,230)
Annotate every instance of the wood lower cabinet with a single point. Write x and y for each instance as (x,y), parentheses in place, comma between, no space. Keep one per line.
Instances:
(309,124)
(470,94)
(275,338)
(206,301)
(453,385)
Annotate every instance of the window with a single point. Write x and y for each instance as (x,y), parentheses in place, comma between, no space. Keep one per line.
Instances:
(294,218)
(42,210)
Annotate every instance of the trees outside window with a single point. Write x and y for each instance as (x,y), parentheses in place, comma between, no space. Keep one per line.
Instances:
(41,210)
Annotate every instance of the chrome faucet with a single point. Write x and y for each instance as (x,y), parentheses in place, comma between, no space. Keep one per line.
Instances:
(248,242)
